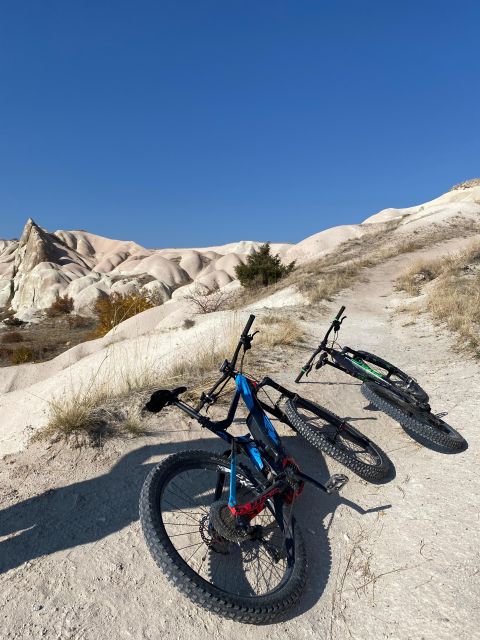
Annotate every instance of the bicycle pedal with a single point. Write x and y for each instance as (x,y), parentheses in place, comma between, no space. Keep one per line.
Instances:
(336,482)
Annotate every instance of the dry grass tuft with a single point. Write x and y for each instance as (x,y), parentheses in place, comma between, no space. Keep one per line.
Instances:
(418,274)
(274,332)
(89,418)
(453,299)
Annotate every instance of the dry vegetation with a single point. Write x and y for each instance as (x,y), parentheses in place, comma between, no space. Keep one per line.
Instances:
(44,340)
(474,182)
(61,329)
(275,331)
(113,309)
(418,273)
(114,408)
(453,295)
(209,300)
(322,279)
(62,305)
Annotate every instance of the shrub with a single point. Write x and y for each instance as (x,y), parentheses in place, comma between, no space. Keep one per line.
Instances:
(21,355)
(115,308)
(208,300)
(78,322)
(62,305)
(188,323)
(12,336)
(262,268)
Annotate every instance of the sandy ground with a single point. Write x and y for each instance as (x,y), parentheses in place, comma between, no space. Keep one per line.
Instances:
(395,560)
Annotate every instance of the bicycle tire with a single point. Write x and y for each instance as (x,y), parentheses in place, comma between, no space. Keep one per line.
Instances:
(253,610)
(420,423)
(329,444)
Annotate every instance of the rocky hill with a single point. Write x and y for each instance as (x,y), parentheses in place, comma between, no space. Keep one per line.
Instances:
(42,265)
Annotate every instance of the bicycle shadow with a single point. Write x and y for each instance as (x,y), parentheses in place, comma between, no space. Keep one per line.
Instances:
(311,510)
(90,510)
(331,383)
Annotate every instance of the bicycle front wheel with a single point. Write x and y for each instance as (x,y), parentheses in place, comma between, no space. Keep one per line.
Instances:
(246,573)
(337,438)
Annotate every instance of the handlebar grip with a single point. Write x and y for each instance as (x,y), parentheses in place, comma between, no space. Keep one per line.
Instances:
(248,326)
(342,309)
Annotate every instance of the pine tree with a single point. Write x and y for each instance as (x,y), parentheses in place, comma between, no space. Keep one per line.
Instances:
(262,268)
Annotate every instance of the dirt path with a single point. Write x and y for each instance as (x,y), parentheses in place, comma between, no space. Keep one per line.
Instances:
(397,560)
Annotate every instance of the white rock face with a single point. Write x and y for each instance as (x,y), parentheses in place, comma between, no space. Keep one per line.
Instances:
(42,265)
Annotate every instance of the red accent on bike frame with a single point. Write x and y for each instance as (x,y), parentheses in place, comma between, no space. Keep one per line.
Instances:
(291,495)
(253,508)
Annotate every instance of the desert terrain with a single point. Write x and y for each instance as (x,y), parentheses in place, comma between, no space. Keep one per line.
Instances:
(399,559)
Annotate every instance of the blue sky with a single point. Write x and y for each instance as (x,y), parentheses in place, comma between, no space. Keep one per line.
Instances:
(194,122)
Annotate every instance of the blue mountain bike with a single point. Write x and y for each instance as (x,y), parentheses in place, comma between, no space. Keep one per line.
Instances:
(221,527)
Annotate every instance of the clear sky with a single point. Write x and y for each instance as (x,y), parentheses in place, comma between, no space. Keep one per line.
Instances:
(195,122)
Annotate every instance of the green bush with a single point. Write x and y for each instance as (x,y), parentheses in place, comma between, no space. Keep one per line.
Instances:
(262,268)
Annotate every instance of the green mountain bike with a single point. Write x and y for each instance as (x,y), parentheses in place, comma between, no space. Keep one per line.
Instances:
(386,387)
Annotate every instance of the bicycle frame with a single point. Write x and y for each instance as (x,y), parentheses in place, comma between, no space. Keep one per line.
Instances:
(262,446)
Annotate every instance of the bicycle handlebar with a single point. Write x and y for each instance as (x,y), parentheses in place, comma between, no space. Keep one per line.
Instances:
(335,324)
(228,367)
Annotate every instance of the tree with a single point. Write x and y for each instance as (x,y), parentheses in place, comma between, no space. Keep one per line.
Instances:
(209,299)
(262,268)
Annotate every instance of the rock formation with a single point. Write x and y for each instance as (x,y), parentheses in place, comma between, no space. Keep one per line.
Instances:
(41,265)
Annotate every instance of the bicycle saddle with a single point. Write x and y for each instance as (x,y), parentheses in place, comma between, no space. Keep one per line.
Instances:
(161,398)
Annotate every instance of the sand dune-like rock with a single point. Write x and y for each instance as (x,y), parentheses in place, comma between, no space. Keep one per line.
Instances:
(448,204)
(42,265)
(324,242)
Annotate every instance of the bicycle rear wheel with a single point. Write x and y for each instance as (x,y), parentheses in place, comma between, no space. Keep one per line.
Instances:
(337,438)
(421,423)
(246,574)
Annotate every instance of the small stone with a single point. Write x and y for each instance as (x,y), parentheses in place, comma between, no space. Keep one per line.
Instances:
(37,607)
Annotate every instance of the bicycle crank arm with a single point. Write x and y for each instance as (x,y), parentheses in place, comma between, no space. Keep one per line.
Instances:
(333,485)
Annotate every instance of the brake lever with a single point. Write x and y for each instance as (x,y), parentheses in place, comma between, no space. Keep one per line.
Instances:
(247,342)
